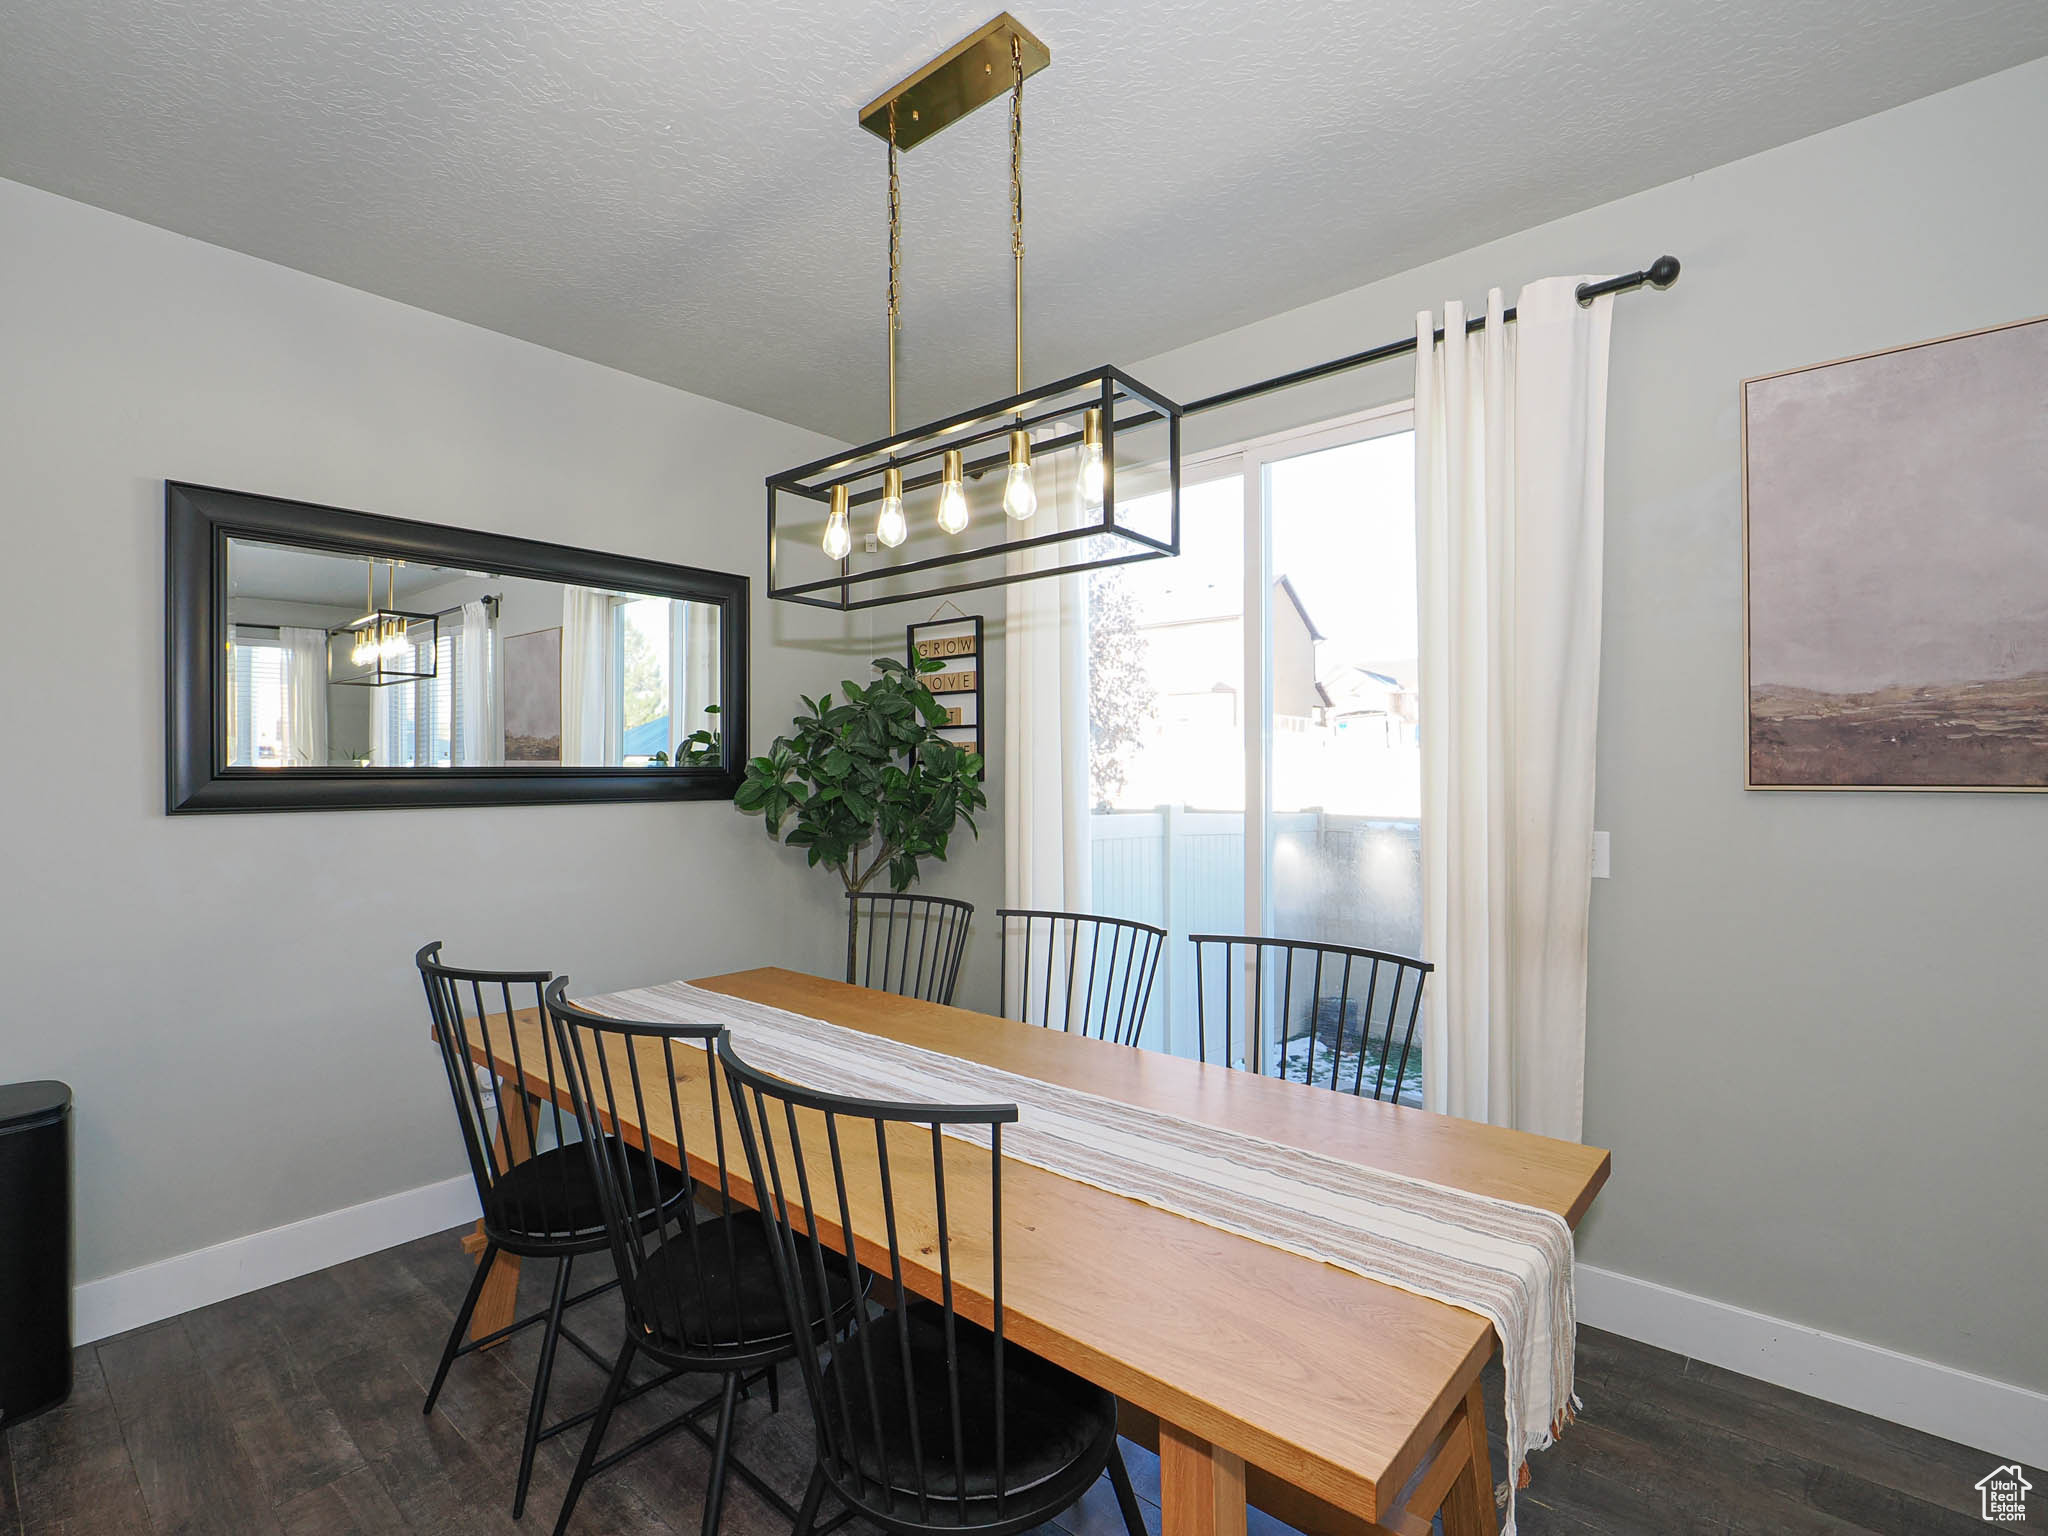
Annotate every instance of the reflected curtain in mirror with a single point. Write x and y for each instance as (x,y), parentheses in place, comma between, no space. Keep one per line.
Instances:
(586,671)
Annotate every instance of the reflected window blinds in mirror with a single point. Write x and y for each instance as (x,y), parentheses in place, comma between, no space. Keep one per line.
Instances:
(956,645)
(321,659)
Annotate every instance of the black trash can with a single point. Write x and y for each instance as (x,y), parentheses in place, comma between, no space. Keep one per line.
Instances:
(35,1248)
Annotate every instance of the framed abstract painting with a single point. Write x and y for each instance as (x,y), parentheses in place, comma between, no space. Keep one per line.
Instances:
(1895,543)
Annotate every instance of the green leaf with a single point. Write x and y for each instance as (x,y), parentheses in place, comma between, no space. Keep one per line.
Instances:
(869,772)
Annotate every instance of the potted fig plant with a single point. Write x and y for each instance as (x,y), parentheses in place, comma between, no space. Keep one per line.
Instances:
(867,785)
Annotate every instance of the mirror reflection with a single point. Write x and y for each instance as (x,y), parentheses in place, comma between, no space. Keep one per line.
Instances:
(335,661)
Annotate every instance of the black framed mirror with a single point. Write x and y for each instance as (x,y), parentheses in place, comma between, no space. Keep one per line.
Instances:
(322,659)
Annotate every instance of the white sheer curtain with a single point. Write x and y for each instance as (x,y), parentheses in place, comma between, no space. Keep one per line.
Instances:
(1510,443)
(695,626)
(380,728)
(1045,721)
(305,695)
(587,740)
(481,729)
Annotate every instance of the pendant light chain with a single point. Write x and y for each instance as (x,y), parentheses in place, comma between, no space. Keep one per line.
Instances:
(895,263)
(1017,190)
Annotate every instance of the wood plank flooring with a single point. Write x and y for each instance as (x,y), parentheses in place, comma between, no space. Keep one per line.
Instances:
(295,1411)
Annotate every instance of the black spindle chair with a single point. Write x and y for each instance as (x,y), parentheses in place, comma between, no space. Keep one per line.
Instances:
(538,1199)
(925,1421)
(1329,1015)
(909,945)
(1081,973)
(700,1291)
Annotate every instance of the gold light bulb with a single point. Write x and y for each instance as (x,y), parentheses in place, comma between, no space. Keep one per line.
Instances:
(1020,495)
(1093,476)
(838,537)
(890,526)
(952,493)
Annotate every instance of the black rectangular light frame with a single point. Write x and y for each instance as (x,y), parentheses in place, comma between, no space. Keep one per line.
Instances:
(990,424)
(381,676)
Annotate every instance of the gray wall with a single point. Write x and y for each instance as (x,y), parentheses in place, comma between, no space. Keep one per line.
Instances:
(1817,1042)
(232,996)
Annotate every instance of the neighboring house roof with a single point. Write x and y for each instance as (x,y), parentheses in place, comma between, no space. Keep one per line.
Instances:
(646,740)
(1348,683)
(1300,607)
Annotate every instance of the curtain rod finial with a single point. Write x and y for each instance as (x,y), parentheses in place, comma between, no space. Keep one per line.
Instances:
(1663,272)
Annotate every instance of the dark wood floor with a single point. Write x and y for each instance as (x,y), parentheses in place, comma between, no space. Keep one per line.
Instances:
(295,1411)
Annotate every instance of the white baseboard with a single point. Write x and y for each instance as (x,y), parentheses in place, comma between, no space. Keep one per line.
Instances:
(154,1292)
(1992,1416)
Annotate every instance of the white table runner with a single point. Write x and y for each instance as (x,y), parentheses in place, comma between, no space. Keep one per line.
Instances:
(1509,1263)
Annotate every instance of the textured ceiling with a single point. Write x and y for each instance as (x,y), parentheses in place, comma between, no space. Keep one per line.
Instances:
(678,188)
(275,573)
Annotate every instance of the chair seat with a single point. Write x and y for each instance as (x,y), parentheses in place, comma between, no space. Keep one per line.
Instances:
(551,1197)
(718,1291)
(1058,1428)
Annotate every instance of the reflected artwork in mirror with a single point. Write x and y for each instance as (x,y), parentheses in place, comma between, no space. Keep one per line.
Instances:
(322,659)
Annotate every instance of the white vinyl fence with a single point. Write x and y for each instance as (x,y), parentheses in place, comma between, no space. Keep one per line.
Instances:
(1339,879)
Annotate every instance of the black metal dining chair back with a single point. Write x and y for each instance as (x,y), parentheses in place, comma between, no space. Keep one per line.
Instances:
(1078,972)
(1330,1015)
(699,1292)
(474,1014)
(907,944)
(810,1151)
(531,1180)
(925,1419)
(682,1279)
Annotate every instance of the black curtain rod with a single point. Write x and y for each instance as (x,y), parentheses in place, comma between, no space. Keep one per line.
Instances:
(491,600)
(1661,273)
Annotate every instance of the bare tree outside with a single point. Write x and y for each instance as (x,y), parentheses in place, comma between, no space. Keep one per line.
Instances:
(1121,697)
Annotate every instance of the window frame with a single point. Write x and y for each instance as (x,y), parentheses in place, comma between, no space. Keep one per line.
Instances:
(240,703)
(1250,459)
(1256,456)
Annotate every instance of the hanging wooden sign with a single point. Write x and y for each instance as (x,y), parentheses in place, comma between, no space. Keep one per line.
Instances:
(956,643)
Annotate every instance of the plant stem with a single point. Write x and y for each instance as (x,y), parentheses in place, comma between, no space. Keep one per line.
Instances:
(855,886)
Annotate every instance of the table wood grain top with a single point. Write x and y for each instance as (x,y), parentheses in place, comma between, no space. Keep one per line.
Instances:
(1330,1382)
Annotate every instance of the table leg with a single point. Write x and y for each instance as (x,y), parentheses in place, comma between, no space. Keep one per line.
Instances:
(498,1306)
(1468,1506)
(1201,1486)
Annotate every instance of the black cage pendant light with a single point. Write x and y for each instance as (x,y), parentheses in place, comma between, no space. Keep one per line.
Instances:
(384,644)
(1019,488)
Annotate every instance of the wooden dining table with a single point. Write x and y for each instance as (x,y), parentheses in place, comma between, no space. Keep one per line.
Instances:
(1341,1405)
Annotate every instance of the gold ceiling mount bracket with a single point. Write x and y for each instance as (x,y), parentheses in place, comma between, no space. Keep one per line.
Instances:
(973,72)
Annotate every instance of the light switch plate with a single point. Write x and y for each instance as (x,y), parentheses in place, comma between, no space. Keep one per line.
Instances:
(1599,855)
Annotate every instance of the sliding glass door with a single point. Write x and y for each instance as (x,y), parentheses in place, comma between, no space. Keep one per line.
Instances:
(1252,707)
(1167,733)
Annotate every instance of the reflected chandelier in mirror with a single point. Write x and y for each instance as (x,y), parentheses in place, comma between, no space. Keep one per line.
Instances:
(325,659)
